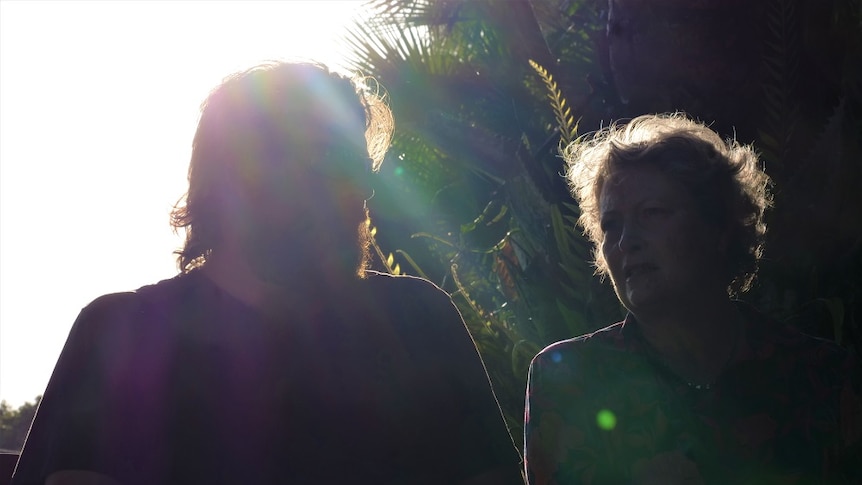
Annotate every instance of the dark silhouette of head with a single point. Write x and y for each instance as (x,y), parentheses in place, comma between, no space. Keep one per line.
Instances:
(281,164)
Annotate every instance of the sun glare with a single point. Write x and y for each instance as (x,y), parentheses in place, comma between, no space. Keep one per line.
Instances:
(98,104)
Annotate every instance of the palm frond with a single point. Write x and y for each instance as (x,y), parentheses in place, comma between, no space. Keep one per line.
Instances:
(565,121)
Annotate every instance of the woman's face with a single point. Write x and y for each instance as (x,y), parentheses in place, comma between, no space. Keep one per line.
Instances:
(659,250)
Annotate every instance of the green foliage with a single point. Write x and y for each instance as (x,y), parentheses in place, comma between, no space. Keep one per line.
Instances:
(809,120)
(781,70)
(567,125)
(15,423)
(484,93)
(474,176)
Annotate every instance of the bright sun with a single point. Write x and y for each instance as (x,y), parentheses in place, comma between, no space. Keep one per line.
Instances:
(98,104)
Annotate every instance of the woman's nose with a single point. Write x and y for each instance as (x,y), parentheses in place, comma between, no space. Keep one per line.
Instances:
(631,238)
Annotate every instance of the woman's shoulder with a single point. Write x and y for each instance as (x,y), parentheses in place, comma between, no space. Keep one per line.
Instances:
(403,284)
(108,308)
(773,338)
(410,296)
(125,307)
(593,346)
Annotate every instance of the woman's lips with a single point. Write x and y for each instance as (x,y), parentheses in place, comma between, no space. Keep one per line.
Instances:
(638,269)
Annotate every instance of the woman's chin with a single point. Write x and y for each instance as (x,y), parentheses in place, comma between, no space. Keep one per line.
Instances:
(642,299)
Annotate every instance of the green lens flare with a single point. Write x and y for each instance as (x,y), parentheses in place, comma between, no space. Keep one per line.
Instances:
(606,420)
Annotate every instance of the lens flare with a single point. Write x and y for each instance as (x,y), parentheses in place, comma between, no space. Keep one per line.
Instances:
(606,420)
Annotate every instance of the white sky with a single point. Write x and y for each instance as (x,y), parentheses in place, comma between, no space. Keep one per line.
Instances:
(98,105)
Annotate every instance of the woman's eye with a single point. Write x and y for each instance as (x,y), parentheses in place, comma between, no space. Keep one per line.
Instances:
(609,225)
(655,211)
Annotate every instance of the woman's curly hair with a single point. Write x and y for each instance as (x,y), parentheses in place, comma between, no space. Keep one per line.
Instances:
(725,178)
(271,103)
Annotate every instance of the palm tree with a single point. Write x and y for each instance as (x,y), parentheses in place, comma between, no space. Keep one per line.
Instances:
(473,196)
(484,91)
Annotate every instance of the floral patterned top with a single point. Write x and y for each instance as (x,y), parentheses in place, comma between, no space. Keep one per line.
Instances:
(787,409)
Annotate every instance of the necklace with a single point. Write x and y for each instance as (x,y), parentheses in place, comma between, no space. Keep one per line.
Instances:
(704,387)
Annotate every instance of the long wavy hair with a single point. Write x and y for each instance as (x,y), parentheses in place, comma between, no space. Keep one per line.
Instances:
(725,178)
(260,104)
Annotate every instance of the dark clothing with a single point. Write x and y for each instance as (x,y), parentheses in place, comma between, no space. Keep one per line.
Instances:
(785,410)
(180,383)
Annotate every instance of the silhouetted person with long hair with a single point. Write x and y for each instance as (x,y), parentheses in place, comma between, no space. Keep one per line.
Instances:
(275,356)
